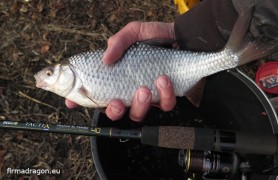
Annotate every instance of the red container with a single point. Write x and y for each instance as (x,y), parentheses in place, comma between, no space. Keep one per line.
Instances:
(267,77)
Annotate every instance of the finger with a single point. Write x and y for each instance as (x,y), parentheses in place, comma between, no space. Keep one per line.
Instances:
(118,43)
(156,30)
(115,110)
(166,93)
(71,104)
(140,104)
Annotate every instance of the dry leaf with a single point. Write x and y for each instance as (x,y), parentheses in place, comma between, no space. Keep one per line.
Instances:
(40,6)
(150,13)
(34,16)
(58,5)
(44,49)
(25,36)
(53,13)
(14,8)
(111,18)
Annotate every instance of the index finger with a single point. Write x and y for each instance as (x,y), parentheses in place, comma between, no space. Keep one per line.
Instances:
(118,43)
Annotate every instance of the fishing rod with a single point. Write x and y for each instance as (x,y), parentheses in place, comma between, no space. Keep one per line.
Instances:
(175,137)
(71,129)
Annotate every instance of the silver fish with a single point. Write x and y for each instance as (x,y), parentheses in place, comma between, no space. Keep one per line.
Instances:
(88,82)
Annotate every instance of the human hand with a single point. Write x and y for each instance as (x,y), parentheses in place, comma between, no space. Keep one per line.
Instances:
(117,44)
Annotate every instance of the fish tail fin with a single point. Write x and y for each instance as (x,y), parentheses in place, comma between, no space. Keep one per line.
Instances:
(241,43)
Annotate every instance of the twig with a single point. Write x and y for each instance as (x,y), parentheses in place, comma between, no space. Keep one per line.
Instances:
(55,28)
(35,100)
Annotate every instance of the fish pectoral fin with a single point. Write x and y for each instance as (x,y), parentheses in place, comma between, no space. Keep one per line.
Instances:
(195,94)
(166,43)
(84,93)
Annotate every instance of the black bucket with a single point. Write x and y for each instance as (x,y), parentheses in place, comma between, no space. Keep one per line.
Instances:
(231,101)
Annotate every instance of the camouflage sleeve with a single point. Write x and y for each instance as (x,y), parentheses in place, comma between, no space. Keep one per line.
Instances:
(208,26)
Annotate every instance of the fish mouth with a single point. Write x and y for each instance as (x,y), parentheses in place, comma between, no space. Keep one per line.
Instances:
(39,82)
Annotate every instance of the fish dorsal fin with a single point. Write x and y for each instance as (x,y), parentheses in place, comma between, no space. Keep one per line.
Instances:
(166,43)
(195,94)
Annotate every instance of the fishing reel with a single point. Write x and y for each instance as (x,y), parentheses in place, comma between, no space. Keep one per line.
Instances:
(209,165)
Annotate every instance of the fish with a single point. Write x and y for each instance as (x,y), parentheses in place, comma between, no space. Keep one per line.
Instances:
(85,80)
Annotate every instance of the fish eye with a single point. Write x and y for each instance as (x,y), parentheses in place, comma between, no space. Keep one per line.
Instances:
(49,72)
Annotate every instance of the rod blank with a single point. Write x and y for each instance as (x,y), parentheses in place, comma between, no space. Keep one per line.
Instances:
(71,129)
